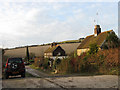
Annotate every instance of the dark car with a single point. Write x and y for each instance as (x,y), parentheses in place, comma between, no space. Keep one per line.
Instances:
(14,66)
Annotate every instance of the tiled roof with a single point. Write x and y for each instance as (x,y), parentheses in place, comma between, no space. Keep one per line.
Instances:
(69,47)
(94,39)
(51,49)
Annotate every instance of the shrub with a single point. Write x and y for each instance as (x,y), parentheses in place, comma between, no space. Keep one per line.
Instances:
(112,41)
(32,55)
(57,61)
(102,62)
(46,63)
(93,67)
(38,61)
(114,71)
(65,66)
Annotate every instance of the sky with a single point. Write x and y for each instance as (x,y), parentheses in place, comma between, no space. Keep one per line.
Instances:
(35,23)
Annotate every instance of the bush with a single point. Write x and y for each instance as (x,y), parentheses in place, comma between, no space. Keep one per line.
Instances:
(57,61)
(38,61)
(102,62)
(114,71)
(93,67)
(112,41)
(84,67)
(65,66)
(46,63)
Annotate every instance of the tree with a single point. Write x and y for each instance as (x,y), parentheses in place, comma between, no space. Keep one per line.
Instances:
(27,53)
(93,48)
(112,41)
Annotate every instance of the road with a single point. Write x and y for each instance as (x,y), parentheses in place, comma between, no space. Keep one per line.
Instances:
(19,82)
(101,81)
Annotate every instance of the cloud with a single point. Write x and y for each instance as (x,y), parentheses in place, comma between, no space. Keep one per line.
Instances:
(37,23)
(59,0)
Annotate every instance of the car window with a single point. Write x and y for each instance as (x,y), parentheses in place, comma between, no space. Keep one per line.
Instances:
(15,60)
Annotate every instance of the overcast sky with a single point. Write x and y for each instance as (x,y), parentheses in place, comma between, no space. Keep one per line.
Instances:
(31,23)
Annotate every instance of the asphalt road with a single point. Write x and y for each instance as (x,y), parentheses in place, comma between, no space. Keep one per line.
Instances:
(27,82)
(18,82)
(101,81)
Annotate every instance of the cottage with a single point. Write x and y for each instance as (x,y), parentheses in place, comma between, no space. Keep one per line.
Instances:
(54,51)
(98,37)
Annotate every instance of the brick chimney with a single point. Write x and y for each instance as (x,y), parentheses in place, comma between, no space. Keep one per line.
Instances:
(53,44)
(97,30)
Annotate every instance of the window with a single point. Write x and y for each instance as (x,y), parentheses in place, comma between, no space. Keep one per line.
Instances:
(15,60)
(59,54)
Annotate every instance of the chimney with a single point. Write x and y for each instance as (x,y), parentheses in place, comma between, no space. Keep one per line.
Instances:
(97,30)
(53,44)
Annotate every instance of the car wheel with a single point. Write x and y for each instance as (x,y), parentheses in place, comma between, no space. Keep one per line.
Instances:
(23,75)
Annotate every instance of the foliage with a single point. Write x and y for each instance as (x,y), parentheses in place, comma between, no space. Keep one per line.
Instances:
(112,41)
(64,66)
(102,62)
(75,54)
(57,61)
(46,63)
(93,48)
(32,55)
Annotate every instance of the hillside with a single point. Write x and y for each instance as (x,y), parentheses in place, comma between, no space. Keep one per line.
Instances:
(61,42)
(39,50)
(69,46)
(72,41)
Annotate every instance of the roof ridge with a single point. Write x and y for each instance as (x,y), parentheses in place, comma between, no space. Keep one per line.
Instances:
(90,35)
(107,31)
(50,49)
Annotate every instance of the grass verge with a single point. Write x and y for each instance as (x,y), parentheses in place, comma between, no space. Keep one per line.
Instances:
(64,74)
(39,69)
(28,75)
